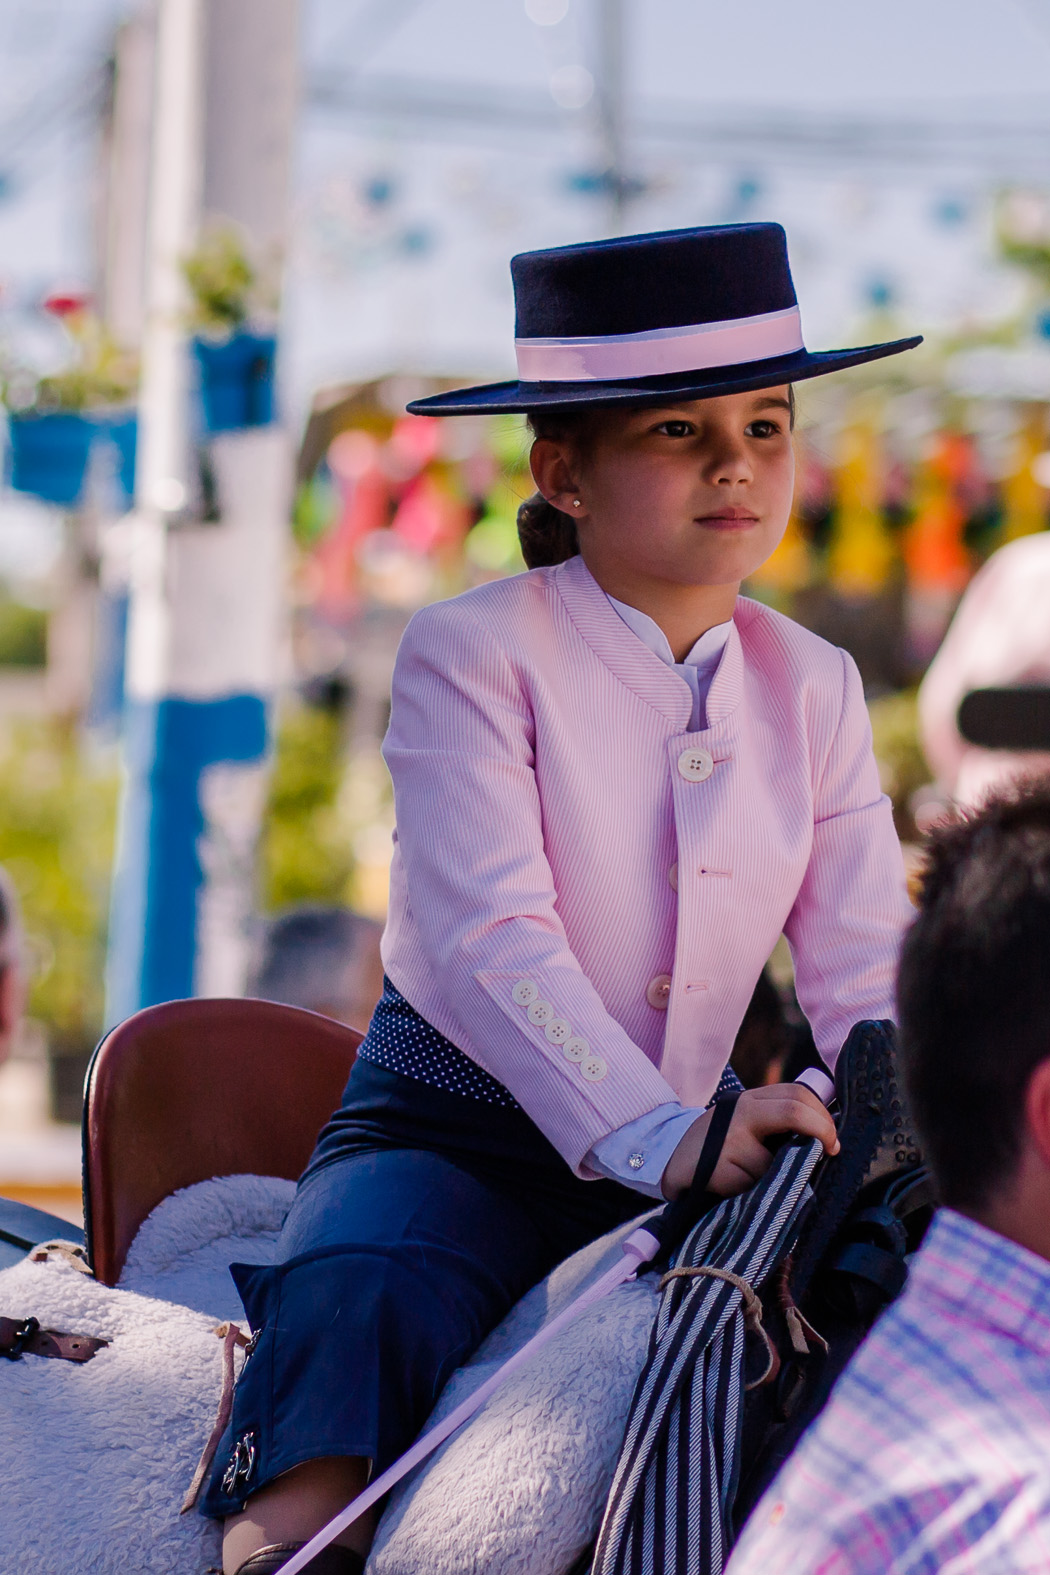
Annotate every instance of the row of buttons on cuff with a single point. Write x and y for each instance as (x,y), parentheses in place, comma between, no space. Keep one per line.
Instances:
(558,1031)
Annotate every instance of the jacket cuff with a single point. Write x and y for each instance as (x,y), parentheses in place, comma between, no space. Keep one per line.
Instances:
(637,1154)
(568,1063)
(819,1082)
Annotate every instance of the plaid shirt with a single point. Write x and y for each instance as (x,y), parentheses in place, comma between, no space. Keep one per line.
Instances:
(933,1452)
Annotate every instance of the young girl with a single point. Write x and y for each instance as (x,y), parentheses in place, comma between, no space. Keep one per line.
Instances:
(617,783)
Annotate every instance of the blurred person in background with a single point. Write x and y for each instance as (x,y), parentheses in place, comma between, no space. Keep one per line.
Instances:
(1000,636)
(324,958)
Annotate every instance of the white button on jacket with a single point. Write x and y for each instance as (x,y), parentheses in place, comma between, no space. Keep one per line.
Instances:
(695,764)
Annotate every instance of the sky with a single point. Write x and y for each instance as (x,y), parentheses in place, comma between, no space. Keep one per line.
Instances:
(437,137)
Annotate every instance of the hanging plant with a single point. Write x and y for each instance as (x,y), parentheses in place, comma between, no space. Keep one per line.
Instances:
(236,364)
(226,288)
(54,420)
(100,374)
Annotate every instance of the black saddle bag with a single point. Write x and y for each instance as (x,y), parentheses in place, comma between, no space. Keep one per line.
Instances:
(871,1206)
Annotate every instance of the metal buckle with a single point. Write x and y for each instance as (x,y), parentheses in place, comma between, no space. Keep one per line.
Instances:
(22,1336)
(241,1464)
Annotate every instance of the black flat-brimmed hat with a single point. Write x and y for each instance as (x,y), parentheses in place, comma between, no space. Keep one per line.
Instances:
(682,313)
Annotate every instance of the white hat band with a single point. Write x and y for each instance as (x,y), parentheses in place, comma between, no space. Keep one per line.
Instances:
(659,351)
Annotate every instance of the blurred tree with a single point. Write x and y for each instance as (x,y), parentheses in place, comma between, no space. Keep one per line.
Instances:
(902,764)
(57,819)
(306,852)
(23,634)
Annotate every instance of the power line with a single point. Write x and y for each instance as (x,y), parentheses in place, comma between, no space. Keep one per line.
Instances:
(1007,148)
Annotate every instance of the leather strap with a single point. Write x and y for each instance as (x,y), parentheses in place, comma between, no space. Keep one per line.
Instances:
(721,1116)
(675,1220)
(330,1561)
(889,1274)
(18,1335)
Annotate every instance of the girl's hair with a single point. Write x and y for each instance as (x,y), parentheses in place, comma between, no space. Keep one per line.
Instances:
(547,535)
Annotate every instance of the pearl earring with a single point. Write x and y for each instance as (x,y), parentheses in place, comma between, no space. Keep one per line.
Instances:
(576,503)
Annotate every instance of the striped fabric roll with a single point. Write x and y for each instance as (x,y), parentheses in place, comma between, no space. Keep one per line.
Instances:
(669,1508)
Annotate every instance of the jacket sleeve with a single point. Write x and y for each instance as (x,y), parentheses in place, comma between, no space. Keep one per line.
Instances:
(460,749)
(852,908)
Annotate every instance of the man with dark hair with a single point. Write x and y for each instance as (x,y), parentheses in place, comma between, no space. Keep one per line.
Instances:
(933,1452)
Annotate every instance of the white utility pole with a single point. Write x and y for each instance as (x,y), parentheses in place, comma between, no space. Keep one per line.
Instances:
(205,625)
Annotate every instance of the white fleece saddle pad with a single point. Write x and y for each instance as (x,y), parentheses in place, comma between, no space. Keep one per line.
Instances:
(98,1456)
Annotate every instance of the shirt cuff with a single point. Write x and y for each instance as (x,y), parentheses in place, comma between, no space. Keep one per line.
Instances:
(637,1154)
(819,1082)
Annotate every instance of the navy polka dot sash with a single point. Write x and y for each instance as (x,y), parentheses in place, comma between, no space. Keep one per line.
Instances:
(399,1039)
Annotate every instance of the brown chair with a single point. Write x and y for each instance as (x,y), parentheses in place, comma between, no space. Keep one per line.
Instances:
(193,1089)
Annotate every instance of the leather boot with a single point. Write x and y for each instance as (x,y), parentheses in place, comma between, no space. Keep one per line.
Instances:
(330,1561)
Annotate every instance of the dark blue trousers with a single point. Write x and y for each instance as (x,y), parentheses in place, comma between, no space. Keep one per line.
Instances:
(423,1216)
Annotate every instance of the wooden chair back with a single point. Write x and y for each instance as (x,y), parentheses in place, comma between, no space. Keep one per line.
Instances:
(189,1090)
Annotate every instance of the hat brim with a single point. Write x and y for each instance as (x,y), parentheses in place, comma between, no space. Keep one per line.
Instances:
(499,398)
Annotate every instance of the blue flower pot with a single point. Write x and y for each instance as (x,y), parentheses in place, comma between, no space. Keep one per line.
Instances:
(49,454)
(236,381)
(123,431)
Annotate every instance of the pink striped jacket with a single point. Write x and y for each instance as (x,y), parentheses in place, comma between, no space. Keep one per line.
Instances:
(583,891)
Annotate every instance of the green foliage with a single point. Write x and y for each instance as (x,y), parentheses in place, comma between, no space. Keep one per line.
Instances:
(305,853)
(101,374)
(314,510)
(222,282)
(1032,255)
(23,635)
(57,818)
(1022,225)
(493,545)
(109,381)
(511,441)
(902,764)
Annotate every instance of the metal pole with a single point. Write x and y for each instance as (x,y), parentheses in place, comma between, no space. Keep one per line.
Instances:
(611,107)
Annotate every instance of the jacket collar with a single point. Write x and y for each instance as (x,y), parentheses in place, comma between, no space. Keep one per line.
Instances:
(640,669)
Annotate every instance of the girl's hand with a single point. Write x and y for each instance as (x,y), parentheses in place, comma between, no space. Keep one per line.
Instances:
(759,1113)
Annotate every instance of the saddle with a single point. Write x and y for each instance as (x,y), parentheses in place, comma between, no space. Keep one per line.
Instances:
(823,1262)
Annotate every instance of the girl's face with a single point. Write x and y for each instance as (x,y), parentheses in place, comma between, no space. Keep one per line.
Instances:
(696,493)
